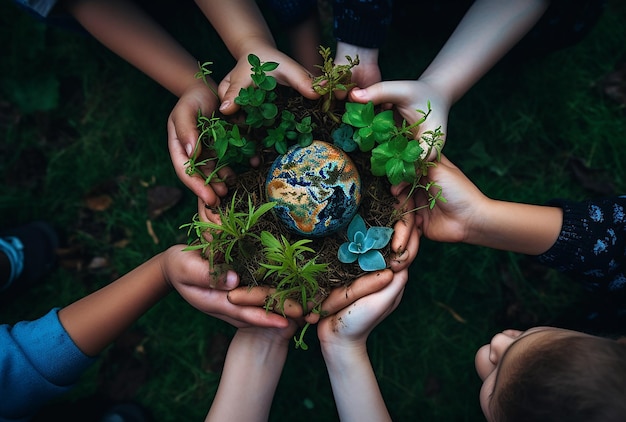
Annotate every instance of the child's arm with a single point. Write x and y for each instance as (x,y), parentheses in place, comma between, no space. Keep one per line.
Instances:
(253,366)
(471,217)
(133,35)
(489,29)
(343,338)
(96,320)
(243,29)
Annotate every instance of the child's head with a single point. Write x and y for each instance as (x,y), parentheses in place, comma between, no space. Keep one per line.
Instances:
(548,374)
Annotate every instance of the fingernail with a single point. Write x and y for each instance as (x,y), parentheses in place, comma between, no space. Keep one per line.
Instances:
(359,93)
(231,280)
(224,105)
(189,150)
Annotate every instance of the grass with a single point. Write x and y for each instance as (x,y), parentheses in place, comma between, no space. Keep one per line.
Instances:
(76,120)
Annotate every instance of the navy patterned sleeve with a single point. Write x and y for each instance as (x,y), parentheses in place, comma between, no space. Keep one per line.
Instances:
(592,244)
(290,13)
(364,23)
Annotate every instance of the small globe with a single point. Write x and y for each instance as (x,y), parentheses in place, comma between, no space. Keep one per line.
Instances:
(317,189)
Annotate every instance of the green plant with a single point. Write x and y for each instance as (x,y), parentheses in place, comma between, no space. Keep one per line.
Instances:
(395,153)
(233,229)
(297,274)
(363,245)
(333,78)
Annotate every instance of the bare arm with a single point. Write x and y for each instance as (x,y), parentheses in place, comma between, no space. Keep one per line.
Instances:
(96,320)
(489,29)
(134,36)
(470,216)
(253,366)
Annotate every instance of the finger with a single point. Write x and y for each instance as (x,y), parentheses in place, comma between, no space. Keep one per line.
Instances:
(180,161)
(185,129)
(261,296)
(242,316)
(401,262)
(404,226)
(228,90)
(379,93)
(206,213)
(340,297)
(396,190)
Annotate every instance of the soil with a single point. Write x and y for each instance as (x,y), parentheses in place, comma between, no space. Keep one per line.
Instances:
(377,205)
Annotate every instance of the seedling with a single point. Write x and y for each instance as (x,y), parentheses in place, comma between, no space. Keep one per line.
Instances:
(333,78)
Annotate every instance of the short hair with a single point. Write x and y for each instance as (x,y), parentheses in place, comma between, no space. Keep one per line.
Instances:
(574,378)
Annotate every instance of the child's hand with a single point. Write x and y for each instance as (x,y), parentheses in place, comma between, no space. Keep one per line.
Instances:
(288,72)
(453,220)
(338,299)
(405,240)
(366,73)
(191,276)
(351,325)
(408,97)
(182,131)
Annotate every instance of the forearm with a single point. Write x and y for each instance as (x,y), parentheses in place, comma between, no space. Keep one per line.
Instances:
(516,227)
(489,29)
(96,320)
(239,23)
(251,373)
(354,384)
(134,36)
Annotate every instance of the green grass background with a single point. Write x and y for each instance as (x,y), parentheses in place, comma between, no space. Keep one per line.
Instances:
(74,117)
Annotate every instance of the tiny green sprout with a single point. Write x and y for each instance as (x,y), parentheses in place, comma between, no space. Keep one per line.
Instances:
(363,245)
(203,73)
(258,101)
(233,231)
(333,78)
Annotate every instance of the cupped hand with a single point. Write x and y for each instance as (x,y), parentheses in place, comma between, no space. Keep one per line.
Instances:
(182,136)
(352,324)
(289,73)
(449,221)
(407,97)
(405,240)
(339,298)
(190,275)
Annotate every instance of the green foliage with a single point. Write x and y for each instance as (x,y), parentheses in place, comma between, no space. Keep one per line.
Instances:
(395,153)
(258,101)
(370,128)
(234,230)
(289,130)
(333,78)
(297,274)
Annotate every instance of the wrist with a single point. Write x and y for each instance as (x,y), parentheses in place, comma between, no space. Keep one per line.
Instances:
(343,353)
(366,55)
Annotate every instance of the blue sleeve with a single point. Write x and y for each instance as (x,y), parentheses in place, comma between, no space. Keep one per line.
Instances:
(38,362)
(38,8)
(592,244)
(364,23)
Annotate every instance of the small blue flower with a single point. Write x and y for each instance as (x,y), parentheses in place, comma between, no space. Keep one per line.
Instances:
(363,244)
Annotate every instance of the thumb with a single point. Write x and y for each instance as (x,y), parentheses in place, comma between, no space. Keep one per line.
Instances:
(380,93)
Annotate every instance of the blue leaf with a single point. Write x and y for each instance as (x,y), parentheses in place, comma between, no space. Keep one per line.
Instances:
(372,261)
(356,225)
(345,255)
(379,236)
